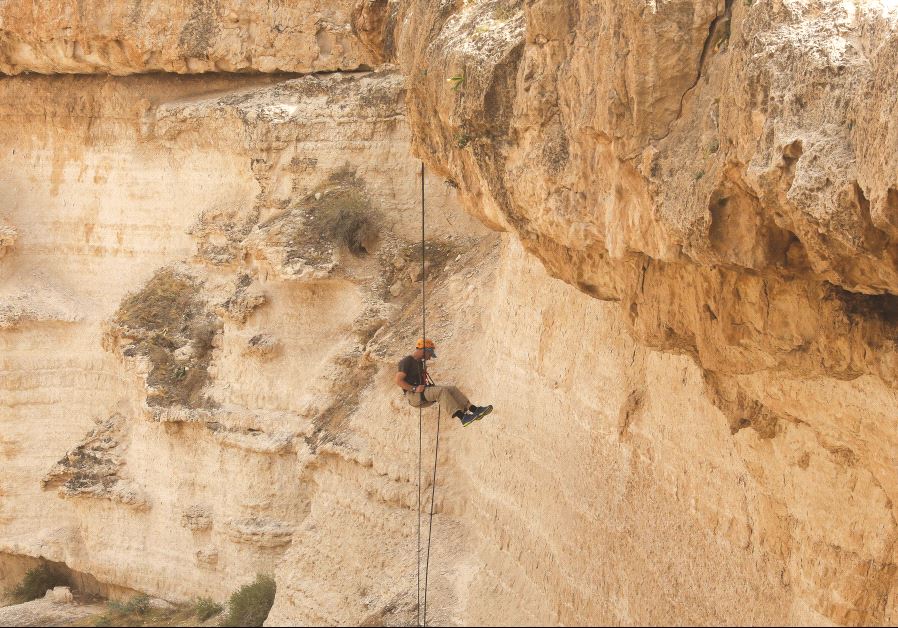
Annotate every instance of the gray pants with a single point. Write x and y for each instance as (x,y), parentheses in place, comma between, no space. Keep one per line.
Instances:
(450,398)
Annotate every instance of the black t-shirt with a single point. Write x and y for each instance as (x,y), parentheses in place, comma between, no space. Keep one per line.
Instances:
(413,369)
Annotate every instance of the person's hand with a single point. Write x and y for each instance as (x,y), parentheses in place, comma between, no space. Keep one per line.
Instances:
(419,389)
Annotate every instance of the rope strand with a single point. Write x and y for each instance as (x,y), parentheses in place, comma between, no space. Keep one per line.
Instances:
(420,441)
(433,492)
(421,406)
(425,380)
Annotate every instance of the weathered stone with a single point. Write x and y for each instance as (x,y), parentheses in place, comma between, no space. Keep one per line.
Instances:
(207,557)
(196,518)
(95,468)
(688,329)
(262,345)
(59,595)
(183,36)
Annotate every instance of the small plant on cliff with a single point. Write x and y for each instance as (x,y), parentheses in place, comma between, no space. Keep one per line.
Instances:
(352,226)
(36,583)
(249,605)
(204,608)
(457,81)
(337,213)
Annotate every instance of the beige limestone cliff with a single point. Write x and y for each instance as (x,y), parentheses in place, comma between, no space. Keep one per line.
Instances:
(182,36)
(721,170)
(187,224)
(687,324)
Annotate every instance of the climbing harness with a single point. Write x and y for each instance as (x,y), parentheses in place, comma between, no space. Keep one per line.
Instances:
(425,379)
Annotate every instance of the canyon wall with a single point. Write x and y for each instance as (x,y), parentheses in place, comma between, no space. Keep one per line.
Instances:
(197,267)
(183,37)
(661,242)
(709,166)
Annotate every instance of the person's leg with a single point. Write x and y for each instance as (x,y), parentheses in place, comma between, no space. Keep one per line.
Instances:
(450,398)
(459,398)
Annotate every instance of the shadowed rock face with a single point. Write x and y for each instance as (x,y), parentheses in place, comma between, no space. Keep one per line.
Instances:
(687,326)
(707,144)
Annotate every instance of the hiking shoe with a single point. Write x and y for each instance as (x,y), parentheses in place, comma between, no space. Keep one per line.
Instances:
(481,411)
(467,418)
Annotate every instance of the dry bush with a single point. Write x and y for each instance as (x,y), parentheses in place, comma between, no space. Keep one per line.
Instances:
(164,317)
(137,605)
(343,213)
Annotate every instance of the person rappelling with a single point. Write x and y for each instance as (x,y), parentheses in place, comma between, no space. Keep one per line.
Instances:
(421,392)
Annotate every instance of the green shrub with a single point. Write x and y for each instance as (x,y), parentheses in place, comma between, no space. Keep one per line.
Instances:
(36,583)
(137,605)
(249,605)
(457,81)
(204,608)
(462,140)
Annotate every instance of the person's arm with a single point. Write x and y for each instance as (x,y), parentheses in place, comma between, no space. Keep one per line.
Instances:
(404,385)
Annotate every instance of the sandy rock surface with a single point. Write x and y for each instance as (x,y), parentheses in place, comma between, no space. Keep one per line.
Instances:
(47,612)
(710,166)
(181,36)
(59,595)
(281,208)
(661,242)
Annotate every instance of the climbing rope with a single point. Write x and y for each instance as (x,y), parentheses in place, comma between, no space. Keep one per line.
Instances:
(425,379)
(421,405)
(433,491)
(420,423)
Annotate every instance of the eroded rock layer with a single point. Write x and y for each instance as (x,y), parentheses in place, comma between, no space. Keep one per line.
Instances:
(182,36)
(185,243)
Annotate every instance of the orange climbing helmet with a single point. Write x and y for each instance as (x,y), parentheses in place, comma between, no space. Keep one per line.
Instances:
(427,344)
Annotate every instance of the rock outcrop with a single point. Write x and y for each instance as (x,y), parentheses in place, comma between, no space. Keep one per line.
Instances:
(710,167)
(94,468)
(181,36)
(680,293)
